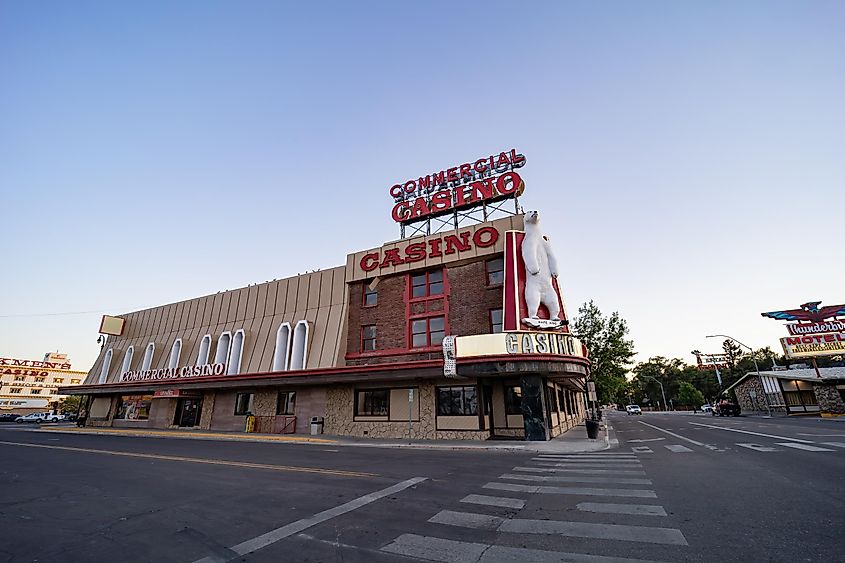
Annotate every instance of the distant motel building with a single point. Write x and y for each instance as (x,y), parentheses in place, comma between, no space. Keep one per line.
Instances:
(360,346)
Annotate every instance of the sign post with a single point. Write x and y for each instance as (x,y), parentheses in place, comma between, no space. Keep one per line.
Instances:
(410,411)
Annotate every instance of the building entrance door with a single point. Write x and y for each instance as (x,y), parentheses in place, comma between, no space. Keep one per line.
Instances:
(188,412)
(487,409)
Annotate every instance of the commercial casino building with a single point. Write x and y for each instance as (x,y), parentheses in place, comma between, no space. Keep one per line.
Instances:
(427,328)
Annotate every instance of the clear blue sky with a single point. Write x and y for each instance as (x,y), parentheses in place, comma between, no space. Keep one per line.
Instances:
(688,157)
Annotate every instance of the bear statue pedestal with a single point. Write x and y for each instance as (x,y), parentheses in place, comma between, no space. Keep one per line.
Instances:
(533,409)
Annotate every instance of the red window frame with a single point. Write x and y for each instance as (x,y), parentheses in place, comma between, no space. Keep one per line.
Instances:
(493,324)
(364,339)
(488,271)
(428,331)
(427,285)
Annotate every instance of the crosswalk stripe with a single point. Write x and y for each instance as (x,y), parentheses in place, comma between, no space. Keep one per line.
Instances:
(805,447)
(588,460)
(645,534)
(677,448)
(592,469)
(595,465)
(590,456)
(834,444)
(453,551)
(611,508)
(757,447)
(467,520)
(502,502)
(553,469)
(585,491)
(642,450)
(576,479)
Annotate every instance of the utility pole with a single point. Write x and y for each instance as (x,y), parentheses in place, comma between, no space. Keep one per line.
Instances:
(661,389)
(756,367)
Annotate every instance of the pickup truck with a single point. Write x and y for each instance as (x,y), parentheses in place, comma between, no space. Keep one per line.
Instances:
(39,417)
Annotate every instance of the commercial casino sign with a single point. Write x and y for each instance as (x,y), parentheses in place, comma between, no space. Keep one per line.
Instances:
(470,184)
(819,331)
(185,372)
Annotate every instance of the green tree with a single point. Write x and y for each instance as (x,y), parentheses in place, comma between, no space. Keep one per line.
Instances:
(689,395)
(70,404)
(610,351)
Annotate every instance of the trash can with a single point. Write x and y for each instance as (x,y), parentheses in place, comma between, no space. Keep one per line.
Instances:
(316,425)
(592,428)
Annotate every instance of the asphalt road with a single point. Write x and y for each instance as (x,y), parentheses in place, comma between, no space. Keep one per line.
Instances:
(678,488)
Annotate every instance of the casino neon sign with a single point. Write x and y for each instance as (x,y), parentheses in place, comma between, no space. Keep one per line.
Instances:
(470,184)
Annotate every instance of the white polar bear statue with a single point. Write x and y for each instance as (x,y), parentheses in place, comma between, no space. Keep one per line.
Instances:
(540,267)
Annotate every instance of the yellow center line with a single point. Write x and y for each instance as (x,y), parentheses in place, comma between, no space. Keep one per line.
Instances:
(338,472)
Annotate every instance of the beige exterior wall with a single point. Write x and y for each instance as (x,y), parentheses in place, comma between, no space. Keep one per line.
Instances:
(319,298)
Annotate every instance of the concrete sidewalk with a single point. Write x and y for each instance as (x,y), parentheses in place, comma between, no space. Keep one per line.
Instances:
(573,441)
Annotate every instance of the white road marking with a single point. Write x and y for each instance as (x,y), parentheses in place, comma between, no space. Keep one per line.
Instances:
(805,447)
(758,447)
(610,508)
(452,551)
(585,491)
(587,460)
(467,520)
(553,469)
(503,502)
(834,444)
(690,440)
(829,435)
(645,440)
(677,448)
(752,433)
(645,534)
(642,450)
(576,479)
(568,465)
(281,533)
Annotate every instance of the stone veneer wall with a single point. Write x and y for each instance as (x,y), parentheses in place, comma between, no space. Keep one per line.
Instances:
(829,399)
(207,409)
(340,402)
(743,397)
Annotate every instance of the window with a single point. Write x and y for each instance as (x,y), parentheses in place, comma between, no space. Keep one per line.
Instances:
(243,403)
(40,379)
(148,356)
(457,401)
(134,407)
(561,401)
(175,352)
(299,352)
(127,360)
(35,391)
(286,402)
(513,399)
(552,394)
(428,332)
(372,403)
(58,380)
(281,356)
(15,390)
(205,348)
(237,353)
(104,371)
(368,338)
(427,284)
(495,320)
(73,381)
(370,295)
(495,271)
(20,377)
(224,345)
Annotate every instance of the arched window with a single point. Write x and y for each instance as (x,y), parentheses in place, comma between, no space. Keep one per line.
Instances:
(127,360)
(224,345)
(281,357)
(175,352)
(104,371)
(299,354)
(236,353)
(205,349)
(148,356)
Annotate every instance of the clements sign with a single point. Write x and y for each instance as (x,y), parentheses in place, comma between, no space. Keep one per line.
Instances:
(175,373)
(33,364)
(445,245)
(466,185)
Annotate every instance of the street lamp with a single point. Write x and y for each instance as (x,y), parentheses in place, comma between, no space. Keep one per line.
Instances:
(665,404)
(753,359)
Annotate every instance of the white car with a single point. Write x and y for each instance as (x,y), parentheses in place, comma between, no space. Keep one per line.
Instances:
(706,408)
(39,417)
(633,409)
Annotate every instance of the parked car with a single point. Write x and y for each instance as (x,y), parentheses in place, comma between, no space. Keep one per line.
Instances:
(706,408)
(39,417)
(726,408)
(8,417)
(633,409)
